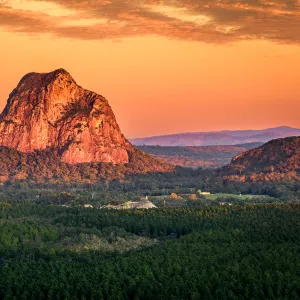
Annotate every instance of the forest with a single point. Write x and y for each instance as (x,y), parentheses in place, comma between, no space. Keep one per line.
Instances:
(59,239)
(238,252)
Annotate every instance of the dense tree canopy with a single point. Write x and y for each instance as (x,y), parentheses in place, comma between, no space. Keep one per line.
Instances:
(239,252)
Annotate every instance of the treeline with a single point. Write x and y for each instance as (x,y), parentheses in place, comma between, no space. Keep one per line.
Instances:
(133,186)
(284,190)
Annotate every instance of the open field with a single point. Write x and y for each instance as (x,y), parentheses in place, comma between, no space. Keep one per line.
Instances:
(185,200)
(239,197)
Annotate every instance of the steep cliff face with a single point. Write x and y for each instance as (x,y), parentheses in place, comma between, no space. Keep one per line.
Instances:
(51,111)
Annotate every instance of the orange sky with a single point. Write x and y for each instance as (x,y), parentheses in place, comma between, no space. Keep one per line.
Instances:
(164,69)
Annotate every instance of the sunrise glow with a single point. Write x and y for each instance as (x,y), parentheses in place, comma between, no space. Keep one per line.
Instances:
(164,67)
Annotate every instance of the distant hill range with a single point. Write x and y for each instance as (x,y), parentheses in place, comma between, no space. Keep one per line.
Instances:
(276,160)
(225,137)
(201,156)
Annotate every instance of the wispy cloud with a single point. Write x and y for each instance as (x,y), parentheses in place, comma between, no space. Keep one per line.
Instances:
(200,20)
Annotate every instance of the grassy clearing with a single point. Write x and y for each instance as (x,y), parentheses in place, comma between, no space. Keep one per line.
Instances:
(239,197)
(112,244)
(165,201)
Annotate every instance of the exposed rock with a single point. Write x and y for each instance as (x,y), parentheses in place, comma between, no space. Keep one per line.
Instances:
(51,111)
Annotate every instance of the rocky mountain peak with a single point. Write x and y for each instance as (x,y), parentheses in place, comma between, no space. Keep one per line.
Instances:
(42,80)
(49,110)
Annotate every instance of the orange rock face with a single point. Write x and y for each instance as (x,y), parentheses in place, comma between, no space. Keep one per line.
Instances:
(51,111)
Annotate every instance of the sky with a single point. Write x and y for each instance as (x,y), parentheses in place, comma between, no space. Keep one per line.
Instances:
(164,66)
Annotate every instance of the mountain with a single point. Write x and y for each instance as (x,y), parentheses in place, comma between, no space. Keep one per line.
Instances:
(276,160)
(52,130)
(197,156)
(225,137)
(51,111)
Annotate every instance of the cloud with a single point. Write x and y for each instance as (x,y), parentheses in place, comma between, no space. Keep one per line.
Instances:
(211,21)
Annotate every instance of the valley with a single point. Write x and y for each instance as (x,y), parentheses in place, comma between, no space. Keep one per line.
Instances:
(197,156)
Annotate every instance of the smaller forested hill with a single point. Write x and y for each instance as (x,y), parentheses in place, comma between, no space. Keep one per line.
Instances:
(276,160)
